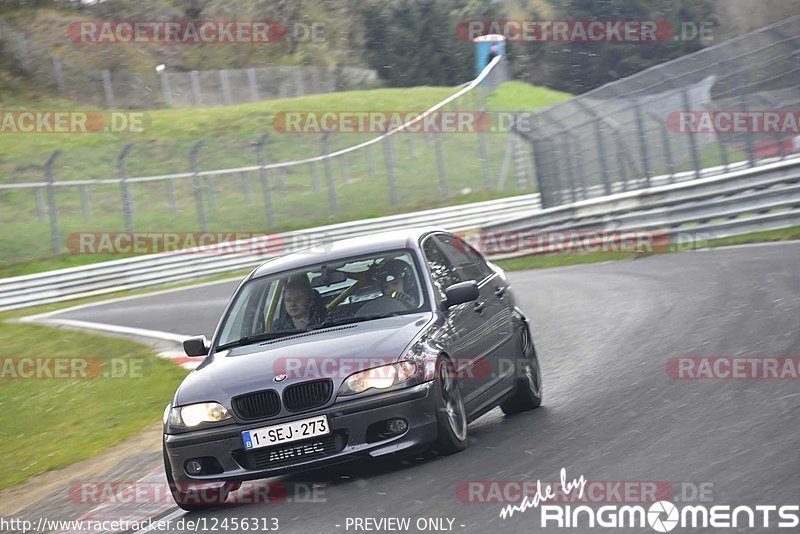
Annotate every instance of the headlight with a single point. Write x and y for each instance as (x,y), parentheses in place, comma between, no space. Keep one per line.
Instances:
(382,377)
(192,415)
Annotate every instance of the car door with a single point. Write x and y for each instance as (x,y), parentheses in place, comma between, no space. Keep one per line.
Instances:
(462,322)
(492,307)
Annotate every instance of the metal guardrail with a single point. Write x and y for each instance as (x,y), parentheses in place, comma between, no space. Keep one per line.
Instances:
(171,267)
(762,198)
(749,200)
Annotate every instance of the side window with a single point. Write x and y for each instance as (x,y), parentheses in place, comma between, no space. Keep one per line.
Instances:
(442,271)
(468,263)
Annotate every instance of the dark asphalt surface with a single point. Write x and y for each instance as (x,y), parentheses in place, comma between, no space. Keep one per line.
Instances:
(604,333)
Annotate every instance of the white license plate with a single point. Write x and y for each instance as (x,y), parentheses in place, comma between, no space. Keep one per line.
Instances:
(286,433)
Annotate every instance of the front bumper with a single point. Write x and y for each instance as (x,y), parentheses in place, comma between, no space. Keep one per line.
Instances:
(349,422)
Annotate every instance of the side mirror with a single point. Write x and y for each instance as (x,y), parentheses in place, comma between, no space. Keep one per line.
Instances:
(196,346)
(461,293)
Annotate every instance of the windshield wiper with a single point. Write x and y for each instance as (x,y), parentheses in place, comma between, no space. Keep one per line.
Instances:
(247,340)
(351,320)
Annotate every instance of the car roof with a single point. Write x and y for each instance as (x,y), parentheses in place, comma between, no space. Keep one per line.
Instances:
(344,248)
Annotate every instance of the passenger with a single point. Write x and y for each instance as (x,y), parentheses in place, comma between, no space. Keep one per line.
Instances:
(396,281)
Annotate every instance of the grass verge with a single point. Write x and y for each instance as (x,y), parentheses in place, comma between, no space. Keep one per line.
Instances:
(47,422)
(235,203)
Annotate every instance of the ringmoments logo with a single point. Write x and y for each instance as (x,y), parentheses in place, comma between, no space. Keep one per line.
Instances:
(660,516)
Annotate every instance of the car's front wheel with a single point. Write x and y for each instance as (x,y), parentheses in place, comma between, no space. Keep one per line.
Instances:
(451,415)
(194,498)
(528,393)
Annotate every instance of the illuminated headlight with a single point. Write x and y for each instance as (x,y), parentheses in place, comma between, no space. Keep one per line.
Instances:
(383,377)
(192,415)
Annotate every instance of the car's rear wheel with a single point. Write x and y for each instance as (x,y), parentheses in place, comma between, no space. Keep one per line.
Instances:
(200,497)
(451,415)
(528,393)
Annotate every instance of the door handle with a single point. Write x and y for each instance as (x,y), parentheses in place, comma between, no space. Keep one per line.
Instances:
(500,291)
(479,306)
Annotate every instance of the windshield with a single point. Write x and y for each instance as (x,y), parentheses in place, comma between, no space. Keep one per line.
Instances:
(359,289)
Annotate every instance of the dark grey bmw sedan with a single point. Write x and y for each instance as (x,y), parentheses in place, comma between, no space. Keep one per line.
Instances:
(383,344)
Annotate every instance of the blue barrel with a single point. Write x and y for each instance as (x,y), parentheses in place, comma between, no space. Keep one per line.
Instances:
(483,49)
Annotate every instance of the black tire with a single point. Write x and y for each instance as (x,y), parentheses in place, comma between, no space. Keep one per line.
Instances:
(451,415)
(528,392)
(195,500)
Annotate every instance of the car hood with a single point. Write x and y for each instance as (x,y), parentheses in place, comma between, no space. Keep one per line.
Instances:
(328,353)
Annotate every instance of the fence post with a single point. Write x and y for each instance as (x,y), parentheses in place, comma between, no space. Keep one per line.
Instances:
(166,90)
(196,188)
(553,157)
(648,173)
(196,94)
(171,195)
(665,141)
(484,155)
(226,86)
(252,81)
(437,147)
(621,161)
(579,163)
(692,140)
(568,162)
(264,173)
(58,71)
(316,87)
(51,198)
(108,89)
(24,56)
(506,163)
(541,174)
(388,153)
(334,204)
(298,77)
(524,170)
(127,200)
(601,151)
(743,105)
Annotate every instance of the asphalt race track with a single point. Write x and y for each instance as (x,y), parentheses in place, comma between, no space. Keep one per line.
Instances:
(604,334)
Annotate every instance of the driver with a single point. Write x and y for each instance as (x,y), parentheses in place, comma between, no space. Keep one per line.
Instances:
(397,282)
(301,304)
